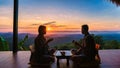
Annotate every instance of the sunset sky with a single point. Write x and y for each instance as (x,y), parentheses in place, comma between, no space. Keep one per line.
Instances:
(60,15)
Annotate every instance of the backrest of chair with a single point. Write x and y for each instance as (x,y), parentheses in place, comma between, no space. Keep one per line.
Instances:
(97,46)
(32,48)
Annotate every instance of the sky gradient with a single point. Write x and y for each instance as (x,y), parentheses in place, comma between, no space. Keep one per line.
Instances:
(60,15)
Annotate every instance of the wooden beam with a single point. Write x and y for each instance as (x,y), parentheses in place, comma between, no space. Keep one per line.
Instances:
(15,27)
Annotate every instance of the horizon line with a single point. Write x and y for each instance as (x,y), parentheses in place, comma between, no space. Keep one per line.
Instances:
(67,31)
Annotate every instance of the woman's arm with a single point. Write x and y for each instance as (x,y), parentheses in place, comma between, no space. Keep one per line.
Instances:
(49,40)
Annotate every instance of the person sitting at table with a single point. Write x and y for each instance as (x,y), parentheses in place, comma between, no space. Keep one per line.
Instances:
(42,52)
(87,48)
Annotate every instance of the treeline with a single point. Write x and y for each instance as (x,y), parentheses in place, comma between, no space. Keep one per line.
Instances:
(104,44)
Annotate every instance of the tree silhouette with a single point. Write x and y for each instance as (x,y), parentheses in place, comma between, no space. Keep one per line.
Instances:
(117,2)
(21,45)
(3,44)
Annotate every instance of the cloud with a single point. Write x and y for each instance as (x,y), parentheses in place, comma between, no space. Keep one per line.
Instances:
(6,11)
(65,31)
(26,27)
(2,26)
(48,23)
(57,26)
(73,28)
(34,24)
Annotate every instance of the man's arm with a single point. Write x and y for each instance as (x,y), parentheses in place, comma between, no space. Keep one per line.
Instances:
(76,43)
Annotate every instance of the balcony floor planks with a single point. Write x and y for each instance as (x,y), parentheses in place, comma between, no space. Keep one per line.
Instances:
(109,59)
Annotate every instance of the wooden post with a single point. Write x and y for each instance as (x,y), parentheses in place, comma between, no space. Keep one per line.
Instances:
(15,27)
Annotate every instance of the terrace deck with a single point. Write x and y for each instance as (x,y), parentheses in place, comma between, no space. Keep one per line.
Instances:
(110,59)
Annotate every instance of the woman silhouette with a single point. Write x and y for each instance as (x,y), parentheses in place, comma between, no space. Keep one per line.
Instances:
(41,49)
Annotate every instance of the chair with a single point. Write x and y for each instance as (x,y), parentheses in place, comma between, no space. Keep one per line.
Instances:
(31,47)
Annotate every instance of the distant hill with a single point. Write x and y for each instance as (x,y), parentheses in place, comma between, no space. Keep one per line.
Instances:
(59,38)
(112,36)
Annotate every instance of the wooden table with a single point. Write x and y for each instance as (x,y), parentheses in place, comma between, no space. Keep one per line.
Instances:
(67,56)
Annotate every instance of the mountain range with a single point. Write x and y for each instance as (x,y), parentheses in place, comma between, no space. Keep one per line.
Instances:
(58,38)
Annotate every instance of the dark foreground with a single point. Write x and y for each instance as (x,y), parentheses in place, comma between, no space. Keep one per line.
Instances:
(110,59)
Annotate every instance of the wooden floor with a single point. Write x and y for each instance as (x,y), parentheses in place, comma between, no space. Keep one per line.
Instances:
(110,59)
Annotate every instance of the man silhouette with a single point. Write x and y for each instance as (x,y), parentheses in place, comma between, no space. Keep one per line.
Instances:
(87,48)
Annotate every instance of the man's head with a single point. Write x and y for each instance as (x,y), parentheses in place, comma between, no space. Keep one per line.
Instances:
(42,29)
(85,29)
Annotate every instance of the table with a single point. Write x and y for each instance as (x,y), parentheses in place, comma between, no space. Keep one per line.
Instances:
(67,56)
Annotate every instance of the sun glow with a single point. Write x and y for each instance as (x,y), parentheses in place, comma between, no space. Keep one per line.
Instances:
(49,29)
